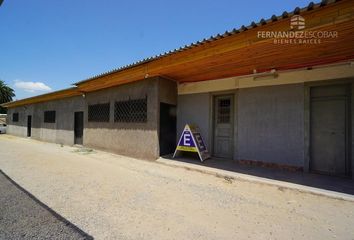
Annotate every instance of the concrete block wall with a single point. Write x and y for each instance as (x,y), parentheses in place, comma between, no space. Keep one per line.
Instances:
(18,128)
(167,91)
(62,131)
(132,139)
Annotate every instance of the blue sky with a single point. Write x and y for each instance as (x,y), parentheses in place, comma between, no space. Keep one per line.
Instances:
(47,45)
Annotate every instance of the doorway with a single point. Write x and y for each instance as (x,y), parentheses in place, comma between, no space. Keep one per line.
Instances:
(78,127)
(29,126)
(329,130)
(223,126)
(167,136)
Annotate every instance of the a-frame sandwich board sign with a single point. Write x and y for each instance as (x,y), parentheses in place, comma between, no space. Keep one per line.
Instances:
(191,141)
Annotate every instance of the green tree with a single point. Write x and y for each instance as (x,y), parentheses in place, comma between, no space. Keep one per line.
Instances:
(6,95)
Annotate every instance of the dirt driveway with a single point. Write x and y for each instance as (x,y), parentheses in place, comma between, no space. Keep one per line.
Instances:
(114,197)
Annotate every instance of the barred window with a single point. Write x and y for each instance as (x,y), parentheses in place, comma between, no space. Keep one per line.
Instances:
(49,116)
(224,111)
(131,111)
(15,117)
(98,112)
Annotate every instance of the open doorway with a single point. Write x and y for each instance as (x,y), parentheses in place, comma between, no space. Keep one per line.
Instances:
(29,126)
(167,137)
(78,128)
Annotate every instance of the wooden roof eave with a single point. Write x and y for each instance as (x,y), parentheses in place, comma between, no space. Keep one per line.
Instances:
(185,59)
(180,60)
(65,93)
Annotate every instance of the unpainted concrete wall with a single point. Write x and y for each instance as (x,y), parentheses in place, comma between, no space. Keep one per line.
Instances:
(167,91)
(132,139)
(62,131)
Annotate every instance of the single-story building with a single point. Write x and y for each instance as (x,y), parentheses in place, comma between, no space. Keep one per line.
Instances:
(278,92)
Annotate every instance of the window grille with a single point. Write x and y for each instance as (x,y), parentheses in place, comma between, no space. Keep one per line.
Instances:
(15,117)
(49,116)
(131,111)
(224,111)
(98,112)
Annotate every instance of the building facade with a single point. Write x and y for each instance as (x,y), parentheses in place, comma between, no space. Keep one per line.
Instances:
(259,94)
(290,124)
(124,119)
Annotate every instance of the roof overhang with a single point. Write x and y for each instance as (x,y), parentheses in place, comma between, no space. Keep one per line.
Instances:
(235,53)
(69,92)
(243,52)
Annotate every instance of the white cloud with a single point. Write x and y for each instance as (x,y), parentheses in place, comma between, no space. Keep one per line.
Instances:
(32,86)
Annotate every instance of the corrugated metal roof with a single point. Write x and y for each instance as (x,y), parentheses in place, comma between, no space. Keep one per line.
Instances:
(74,89)
(273,18)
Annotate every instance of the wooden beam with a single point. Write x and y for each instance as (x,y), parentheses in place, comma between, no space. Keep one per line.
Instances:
(235,55)
(71,92)
(244,49)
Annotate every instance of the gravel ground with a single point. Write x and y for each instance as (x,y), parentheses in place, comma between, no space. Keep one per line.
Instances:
(24,217)
(115,197)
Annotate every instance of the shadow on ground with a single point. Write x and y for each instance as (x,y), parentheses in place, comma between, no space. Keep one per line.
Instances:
(332,183)
(23,216)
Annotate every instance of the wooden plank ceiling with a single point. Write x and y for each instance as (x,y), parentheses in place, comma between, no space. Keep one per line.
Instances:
(241,53)
(238,54)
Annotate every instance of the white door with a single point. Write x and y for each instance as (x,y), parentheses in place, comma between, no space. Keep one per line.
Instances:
(223,126)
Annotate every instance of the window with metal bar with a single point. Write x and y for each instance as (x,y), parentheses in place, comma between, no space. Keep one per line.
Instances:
(134,110)
(224,111)
(99,112)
